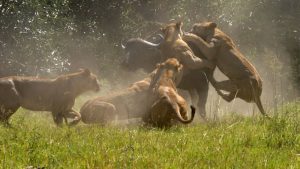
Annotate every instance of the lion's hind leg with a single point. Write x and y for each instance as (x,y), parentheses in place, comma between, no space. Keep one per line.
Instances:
(228,86)
(228,97)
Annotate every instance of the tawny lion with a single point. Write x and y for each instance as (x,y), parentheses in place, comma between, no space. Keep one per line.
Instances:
(168,104)
(54,95)
(125,104)
(244,81)
(174,46)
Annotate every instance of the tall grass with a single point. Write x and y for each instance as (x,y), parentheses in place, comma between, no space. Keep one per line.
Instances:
(232,142)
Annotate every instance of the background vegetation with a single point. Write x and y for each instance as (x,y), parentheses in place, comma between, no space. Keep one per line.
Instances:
(47,37)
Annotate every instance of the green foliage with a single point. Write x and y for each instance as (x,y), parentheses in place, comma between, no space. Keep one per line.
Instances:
(234,142)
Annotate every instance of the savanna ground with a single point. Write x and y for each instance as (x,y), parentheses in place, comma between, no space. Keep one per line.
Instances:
(233,142)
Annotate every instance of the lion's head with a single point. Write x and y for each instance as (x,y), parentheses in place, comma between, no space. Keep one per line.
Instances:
(81,81)
(172,31)
(89,80)
(204,29)
(171,64)
(171,68)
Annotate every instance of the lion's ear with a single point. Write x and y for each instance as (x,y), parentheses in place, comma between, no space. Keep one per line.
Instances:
(179,68)
(179,24)
(212,25)
(160,65)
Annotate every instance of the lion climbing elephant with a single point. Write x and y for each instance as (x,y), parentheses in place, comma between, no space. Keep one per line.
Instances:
(244,81)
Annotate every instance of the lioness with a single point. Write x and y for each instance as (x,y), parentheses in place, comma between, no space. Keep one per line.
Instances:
(174,46)
(244,81)
(54,95)
(126,104)
(142,54)
(168,104)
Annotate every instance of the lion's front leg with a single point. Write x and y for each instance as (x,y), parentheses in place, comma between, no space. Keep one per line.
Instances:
(208,49)
(191,61)
(226,85)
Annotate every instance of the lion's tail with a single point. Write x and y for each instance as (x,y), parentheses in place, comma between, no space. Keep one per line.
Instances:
(256,96)
(187,121)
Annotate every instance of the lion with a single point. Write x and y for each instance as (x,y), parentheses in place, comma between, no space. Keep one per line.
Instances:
(174,46)
(125,104)
(244,81)
(143,54)
(37,94)
(168,104)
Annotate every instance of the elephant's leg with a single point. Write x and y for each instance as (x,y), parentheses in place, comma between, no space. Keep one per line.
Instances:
(73,115)
(203,94)
(194,96)
(58,118)
(197,79)
(202,87)
(6,113)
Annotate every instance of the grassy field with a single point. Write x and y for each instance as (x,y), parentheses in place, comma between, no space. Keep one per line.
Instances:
(233,142)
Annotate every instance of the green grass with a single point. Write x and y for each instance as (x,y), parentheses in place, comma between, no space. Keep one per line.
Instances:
(233,142)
